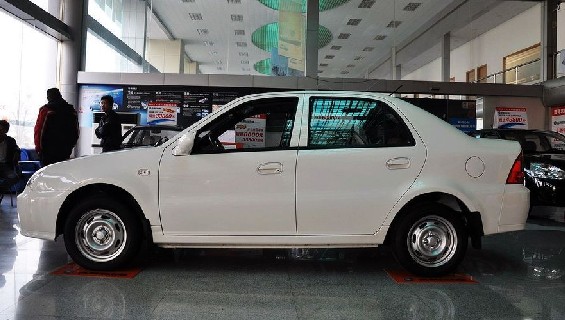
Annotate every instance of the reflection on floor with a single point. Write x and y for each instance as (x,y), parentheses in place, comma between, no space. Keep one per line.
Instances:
(520,276)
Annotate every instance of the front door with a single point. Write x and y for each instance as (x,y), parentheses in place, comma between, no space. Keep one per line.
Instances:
(240,176)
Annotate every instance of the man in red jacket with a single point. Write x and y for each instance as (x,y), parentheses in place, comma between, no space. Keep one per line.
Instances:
(56,129)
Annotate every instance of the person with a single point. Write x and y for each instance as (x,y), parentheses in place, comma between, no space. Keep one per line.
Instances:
(9,157)
(56,129)
(109,129)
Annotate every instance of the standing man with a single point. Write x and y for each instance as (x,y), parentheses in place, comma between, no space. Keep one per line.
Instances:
(9,156)
(56,129)
(109,129)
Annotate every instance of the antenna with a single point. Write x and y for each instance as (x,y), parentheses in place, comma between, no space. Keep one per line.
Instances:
(395,90)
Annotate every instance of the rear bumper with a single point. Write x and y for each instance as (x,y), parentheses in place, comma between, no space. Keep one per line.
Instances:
(515,207)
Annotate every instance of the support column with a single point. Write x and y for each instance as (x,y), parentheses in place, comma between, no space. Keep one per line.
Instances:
(72,51)
(312,26)
(549,38)
(393,75)
(445,57)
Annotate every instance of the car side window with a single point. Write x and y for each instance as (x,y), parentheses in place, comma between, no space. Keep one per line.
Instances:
(263,124)
(355,122)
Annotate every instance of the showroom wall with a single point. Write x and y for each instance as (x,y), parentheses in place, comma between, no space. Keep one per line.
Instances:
(489,49)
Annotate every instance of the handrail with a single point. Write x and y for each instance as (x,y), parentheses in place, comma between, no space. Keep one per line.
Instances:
(507,70)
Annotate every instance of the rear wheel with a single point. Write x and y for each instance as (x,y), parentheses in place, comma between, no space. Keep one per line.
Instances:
(102,234)
(430,240)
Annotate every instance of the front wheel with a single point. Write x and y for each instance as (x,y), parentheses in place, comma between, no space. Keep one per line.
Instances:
(102,234)
(430,240)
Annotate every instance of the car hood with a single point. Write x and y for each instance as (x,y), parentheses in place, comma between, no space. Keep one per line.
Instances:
(112,167)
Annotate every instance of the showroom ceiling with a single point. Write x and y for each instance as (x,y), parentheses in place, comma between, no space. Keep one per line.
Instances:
(356,37)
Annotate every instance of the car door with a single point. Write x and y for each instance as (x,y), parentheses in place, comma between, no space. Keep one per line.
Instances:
(240,176)
(356,161)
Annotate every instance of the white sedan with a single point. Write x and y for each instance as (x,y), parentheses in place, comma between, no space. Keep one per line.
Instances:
(285,170)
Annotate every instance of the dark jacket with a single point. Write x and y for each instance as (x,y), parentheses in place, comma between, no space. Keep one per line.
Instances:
(56,131)
(109,131)
(12,152)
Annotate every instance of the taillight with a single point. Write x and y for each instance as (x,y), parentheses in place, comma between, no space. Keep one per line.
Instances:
(516,175)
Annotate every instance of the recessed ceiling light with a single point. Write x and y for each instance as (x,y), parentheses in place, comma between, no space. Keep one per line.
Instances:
(344,36)
(237,17)
(394,24)
(202,32)
(187,1)
(351,66)
(195,16)
(208,43)
(368,49)
(412,6)
(358,58)
(353,22)
(323,64)
(344,72)
(367,3)
(244,61)
(329,56)
(244,54)
(335,47)
(239,32)
(380,37)
(241,44)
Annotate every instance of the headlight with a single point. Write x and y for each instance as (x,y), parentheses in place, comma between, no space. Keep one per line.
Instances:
(545,171)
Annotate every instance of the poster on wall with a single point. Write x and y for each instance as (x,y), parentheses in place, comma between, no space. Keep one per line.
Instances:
(89,100)
(510,117)
(558,119)
(162,113)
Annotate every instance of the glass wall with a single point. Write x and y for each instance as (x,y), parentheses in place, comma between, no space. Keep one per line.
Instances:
(29,67)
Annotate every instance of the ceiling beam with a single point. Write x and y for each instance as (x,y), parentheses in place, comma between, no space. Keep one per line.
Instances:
(32,14)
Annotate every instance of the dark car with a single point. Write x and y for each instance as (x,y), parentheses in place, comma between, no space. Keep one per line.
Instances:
(145,135)
(544,162)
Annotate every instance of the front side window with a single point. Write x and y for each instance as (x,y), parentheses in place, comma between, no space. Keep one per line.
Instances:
(264,124)
(353,122)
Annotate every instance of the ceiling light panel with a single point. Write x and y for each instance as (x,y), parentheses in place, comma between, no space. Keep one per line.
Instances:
(202,32)
(412,6)
(380,37)
(335,47)
(394,24)
(353,22)
(195,16)
(237,17)
(344,36)
(367,4)
(239,32)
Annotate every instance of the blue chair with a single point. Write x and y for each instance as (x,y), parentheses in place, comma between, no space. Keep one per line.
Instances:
(28,164)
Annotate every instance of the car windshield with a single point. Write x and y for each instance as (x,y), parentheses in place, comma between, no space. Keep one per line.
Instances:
(147,136)
(538,141)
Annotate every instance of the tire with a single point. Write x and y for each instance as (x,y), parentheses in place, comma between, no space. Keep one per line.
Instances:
(430,240)
(102,234)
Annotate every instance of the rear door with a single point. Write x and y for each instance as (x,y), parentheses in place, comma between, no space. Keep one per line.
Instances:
(357,158)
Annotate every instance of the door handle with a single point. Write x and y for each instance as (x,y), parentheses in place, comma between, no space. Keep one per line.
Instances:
(398,163)
(270,168)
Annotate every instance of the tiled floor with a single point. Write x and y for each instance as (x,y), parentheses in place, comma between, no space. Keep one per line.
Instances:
(521,275)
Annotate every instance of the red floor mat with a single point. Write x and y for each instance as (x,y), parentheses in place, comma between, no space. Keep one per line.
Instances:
(73,269)
(405,277)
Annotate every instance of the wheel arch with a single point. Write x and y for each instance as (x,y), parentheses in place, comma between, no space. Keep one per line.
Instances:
(109,190)
(474,227)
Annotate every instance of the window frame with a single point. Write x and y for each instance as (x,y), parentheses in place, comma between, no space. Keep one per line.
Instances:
(391,110)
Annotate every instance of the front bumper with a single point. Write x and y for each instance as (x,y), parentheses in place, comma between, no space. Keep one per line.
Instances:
(38,213)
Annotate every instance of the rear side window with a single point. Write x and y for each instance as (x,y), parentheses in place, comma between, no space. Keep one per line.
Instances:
(354,122)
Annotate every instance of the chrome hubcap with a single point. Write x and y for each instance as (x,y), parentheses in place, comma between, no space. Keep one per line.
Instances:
(100,235)
(432,241)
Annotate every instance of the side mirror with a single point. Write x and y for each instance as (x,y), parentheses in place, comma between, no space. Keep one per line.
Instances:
(185,144)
